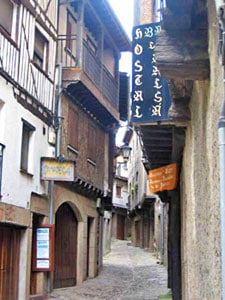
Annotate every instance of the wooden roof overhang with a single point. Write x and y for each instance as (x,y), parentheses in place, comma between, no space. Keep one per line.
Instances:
(84,98)
(143,205)
(157,142)
(182,46)
(162,144)
(113,25)
(182,51)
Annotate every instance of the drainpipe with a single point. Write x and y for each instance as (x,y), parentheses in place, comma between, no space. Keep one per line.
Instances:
(58,136)
(221,142)
(221,133)
(58,110)
(57,152)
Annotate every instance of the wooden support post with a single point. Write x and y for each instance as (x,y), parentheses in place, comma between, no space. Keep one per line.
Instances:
(174,226)
(183,54)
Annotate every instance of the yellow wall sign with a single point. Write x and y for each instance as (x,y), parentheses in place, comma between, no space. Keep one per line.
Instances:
(164,178)
(53,169)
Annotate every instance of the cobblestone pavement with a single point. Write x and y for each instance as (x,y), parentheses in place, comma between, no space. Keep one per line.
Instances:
(128,273)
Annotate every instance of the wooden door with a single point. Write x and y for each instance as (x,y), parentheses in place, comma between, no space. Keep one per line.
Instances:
(137,234)
(120,227)
(9,262)
(65,247)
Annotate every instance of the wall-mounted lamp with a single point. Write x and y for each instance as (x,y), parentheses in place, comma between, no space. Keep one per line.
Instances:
(126,152)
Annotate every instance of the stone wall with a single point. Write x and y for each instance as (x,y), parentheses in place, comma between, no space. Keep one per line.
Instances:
(201,273)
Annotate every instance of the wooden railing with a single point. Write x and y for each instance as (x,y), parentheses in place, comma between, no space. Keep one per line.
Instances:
(91,66)
(9,57)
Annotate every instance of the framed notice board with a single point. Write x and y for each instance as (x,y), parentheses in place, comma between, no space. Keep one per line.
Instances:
(43,248)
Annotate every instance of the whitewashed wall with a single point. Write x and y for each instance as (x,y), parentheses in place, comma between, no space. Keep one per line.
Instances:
(16,186)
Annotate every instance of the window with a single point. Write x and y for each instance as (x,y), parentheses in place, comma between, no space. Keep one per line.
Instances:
(92,135)
(25,147)
(71,33)
(73,119)
(8,17)
(118,191)
(40,50)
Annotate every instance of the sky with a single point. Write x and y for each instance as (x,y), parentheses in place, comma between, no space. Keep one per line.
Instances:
(124,12)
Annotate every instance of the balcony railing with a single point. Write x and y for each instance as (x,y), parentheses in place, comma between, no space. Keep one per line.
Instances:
(91,66)
(9,55)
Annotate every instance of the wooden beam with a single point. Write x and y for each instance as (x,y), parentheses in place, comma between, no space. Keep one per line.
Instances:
(181,5)
(183,54)
(180,91)
(171,21)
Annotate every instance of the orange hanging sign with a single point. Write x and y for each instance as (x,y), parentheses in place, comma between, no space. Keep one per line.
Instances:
(162,179)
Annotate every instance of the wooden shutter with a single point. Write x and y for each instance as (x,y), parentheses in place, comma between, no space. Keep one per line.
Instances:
(73,128)
(92,135)
(118,191)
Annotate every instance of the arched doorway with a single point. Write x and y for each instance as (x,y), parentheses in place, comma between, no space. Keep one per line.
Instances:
(65,247)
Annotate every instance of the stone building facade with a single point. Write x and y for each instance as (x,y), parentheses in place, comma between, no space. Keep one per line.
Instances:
(198,111)
(200,181)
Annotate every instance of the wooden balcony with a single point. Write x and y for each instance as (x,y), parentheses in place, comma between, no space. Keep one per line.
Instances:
(85,77)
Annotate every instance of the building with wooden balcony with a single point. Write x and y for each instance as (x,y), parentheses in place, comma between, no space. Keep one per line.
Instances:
(28,36)
(93,98)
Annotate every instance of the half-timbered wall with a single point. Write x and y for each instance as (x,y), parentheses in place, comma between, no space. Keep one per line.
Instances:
(16,58)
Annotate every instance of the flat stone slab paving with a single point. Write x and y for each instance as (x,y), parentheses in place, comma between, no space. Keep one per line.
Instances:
(128,273)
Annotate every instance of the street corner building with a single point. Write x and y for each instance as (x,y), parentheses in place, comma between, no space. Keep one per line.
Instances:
(61,99)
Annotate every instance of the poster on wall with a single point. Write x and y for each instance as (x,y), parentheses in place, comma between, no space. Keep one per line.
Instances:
(150,92)
(43,248)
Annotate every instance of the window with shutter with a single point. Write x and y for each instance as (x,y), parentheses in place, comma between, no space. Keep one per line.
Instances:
(40,50)
(6,15)
(9,18)
(73,119)
(92,136)
(118,191)
(71,31)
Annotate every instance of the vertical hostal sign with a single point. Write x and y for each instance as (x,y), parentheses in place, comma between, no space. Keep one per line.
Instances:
(150,93)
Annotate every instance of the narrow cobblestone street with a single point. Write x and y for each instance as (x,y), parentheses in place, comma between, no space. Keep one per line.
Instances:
(128,273)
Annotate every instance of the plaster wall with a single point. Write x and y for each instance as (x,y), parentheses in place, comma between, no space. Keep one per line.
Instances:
(122,200)
(17,186)
(200,196)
